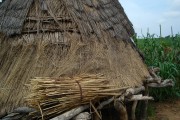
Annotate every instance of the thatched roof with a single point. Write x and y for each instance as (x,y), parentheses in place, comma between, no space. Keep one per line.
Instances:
(109,14)
(64,38)
(12,15)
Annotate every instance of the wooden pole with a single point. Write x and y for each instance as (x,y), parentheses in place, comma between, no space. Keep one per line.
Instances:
(121,109)
(144,106)
(133,112)
(172,34)
(148,34)
(160,31)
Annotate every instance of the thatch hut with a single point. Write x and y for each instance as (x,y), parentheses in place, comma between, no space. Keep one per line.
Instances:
(52,38)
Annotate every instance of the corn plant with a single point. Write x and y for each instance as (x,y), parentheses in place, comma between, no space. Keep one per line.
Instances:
(165,54)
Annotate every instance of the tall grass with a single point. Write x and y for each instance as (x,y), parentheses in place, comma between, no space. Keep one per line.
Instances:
(165,54)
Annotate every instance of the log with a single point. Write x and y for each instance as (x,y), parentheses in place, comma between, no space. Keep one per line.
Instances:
(133,91)
(24,110)
(121,109)
(140,98)
(165,83)
(72,113)
(13,116)
(83,116)
(153,71)
(18,113)
(153,80)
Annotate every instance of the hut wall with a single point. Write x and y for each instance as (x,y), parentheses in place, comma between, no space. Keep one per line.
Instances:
(56,54)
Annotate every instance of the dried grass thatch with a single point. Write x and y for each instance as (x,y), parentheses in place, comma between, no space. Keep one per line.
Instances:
(71,37)
(12,15)
(53,96)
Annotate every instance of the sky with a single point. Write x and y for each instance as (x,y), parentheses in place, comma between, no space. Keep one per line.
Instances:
(149,14)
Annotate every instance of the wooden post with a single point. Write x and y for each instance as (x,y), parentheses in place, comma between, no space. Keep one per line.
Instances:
(133,112)
(160,31)
(172,34)
(144,105)
(121,110)
(148,34)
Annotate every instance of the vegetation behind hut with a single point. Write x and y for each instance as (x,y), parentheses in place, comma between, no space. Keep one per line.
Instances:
(165,54)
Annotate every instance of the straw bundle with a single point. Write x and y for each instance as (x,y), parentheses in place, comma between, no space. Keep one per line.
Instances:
(54,96)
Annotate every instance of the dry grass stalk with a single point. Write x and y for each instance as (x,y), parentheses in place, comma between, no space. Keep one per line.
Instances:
(57,95)
(67,39)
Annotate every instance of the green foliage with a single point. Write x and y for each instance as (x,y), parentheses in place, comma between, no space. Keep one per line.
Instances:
(165,54)
(151,110)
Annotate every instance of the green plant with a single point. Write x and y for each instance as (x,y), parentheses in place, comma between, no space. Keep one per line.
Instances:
(151,111)
(165,54)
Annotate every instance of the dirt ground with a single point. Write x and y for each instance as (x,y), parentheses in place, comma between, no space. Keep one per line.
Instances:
(168,110)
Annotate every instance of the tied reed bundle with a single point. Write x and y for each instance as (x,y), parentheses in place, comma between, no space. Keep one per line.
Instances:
(53,96)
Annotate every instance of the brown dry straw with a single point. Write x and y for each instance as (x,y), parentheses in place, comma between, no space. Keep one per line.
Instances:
(70,38)
(54,96)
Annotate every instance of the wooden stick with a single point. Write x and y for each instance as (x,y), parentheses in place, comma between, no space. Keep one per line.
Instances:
(155,77)
(140,97)
(144,105)
(100,117)
(105,103)
(153,80)
(154,69)
(70,114)
(133,91)
(42,116)
(165,83)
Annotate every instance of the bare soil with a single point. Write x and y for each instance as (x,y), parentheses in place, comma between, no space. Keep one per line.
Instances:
(168,110)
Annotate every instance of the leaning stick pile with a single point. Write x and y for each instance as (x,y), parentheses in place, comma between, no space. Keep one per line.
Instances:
(53,96)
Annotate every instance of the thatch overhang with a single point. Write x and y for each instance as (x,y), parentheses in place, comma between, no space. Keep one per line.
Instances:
(66,38)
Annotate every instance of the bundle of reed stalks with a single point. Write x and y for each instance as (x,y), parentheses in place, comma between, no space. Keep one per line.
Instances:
(53,96)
